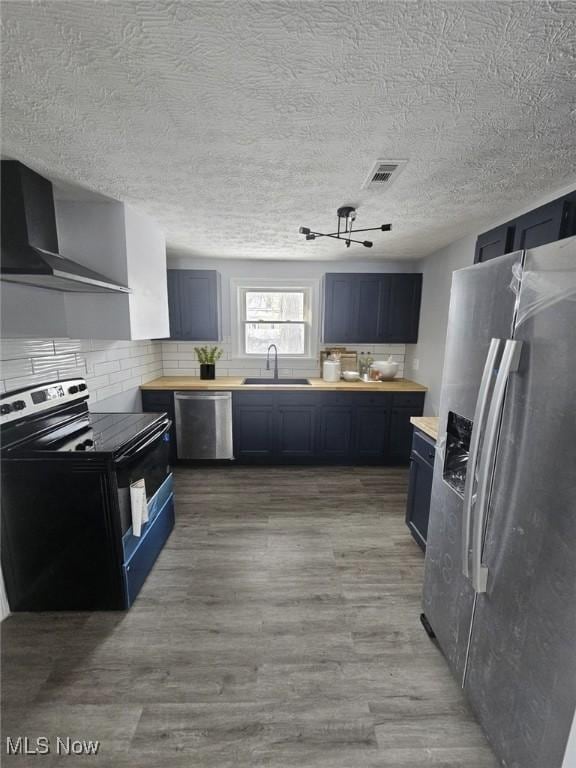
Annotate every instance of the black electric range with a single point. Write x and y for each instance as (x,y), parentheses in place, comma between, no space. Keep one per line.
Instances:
(67,536)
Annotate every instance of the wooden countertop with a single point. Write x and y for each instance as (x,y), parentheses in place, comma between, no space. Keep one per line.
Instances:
(426,424)
(235,382)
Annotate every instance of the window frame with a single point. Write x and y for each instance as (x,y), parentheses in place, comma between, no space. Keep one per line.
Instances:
(310,289)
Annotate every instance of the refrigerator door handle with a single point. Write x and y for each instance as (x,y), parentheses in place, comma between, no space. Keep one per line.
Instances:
(508,365)
(475,441)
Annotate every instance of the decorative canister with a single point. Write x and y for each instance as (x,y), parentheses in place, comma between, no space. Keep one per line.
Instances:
(331,370)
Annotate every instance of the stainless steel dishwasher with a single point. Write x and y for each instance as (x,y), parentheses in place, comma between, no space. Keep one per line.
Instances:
(204,425)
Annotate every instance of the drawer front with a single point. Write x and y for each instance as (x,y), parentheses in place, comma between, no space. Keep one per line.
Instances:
(155,505)
(336,398)
(260,397)
(408,399)
(424,446)
(137,568)
(377,399)
(297,398)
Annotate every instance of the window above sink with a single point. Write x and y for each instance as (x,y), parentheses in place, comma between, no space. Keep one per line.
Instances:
(280,312)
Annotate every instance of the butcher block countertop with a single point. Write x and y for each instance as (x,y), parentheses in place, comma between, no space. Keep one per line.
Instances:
(235,382)
(426,424)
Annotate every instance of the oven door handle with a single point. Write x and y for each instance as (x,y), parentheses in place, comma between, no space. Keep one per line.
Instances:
(140,447)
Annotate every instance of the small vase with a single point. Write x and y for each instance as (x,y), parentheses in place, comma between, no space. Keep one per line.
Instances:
(208,371)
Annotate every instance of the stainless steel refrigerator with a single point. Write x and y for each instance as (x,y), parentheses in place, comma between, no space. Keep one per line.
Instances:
(500,576)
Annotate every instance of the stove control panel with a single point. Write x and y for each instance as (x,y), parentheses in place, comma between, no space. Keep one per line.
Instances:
(27,402)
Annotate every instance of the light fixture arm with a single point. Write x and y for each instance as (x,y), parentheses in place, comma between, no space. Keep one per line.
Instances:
(348,213)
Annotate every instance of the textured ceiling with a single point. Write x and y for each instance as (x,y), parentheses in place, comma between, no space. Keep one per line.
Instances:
(233,123)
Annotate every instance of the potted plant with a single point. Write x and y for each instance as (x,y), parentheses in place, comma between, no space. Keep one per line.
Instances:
(207,357)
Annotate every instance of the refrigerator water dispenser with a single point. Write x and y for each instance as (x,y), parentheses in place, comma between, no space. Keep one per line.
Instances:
(458,432)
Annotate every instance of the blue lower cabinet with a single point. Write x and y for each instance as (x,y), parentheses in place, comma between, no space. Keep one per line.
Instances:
(420,486)
(140,553)
(253,426)
(335,432)
(400,434)
(372,432)
(324,427)
(296,431)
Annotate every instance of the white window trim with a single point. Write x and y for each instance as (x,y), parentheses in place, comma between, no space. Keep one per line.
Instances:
(239,286)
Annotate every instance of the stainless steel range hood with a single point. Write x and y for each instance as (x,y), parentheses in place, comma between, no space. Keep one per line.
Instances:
(30,240)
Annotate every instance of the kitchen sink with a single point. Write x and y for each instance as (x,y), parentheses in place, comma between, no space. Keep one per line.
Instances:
(275,381)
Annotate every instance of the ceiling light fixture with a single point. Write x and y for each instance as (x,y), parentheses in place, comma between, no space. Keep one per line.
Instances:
(348,214)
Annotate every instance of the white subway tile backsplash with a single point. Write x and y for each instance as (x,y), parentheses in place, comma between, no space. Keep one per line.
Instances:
(179,359)
(17,349)
(95,382)
(104,344)
(110,367)
(72,345)
(61,362)
(179,356)
(134,382)
(232,371)
(117,376)
(116,353)
(91,358)
(33,378)
(104,392)
(72,373)
(16,368)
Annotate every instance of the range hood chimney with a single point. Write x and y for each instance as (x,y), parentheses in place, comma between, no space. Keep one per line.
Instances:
(30,239)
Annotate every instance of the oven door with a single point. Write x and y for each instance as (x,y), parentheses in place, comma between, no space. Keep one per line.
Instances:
(148,460)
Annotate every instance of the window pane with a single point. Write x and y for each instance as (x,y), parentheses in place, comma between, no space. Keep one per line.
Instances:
(274,305)
(288,338)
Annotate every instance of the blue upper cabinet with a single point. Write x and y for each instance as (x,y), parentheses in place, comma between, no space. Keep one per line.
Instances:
(545,224)
(402,308)
(194,304)
(340,304)
(550,222)
(495,243)
(368,308)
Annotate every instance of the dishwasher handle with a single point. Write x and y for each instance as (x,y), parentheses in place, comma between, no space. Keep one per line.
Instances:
(206,395)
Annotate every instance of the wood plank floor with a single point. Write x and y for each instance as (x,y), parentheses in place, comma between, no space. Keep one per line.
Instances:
(279,629)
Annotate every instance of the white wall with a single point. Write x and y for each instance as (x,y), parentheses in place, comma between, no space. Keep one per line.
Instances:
(424,361)
(179,357)
(124,245)
(428,354)
(25,310)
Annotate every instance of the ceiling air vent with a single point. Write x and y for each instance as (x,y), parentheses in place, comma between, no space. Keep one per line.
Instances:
(384,173)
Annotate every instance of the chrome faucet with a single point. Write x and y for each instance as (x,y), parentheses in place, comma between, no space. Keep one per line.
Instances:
(275,360)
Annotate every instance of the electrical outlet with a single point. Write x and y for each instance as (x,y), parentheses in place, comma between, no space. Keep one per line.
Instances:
(415,364)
